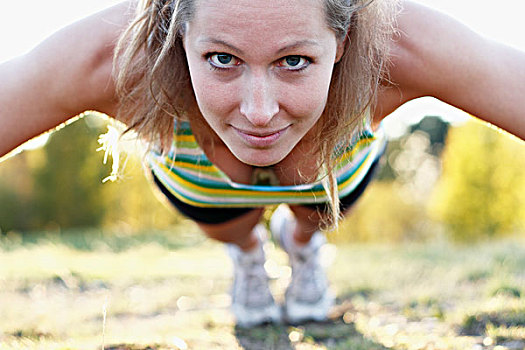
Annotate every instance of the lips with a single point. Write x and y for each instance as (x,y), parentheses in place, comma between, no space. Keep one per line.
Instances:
(260,139)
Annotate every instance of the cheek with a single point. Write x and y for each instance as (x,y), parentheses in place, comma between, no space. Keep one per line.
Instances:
(309,99)
(209,98)
(213,99)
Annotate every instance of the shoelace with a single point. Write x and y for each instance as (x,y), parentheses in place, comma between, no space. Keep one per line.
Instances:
(256,288)
(253,290)
(309,282)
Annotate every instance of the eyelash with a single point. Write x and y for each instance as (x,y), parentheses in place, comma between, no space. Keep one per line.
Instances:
(215,67)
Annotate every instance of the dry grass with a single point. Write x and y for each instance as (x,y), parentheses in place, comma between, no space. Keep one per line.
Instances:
(171,292)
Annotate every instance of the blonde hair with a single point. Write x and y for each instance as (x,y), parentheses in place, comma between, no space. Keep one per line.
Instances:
(154,86)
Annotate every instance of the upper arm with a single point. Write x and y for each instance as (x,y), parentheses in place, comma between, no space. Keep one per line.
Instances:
(434,55)
(65,75)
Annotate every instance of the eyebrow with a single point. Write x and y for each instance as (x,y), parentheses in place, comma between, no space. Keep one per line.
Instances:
(297,44)
(221,42)
(294,45)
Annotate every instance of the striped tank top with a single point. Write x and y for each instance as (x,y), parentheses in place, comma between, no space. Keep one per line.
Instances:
(190,176)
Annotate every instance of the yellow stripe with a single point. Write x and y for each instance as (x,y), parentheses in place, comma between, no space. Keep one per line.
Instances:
(220,191)
(210,169)
(358,147)
(185,138)
(358,171)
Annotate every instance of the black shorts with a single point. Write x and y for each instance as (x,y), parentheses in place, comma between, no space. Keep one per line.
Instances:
(221,215)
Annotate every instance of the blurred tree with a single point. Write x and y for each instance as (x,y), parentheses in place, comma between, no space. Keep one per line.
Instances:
(16,185)
(130,196)
(68,188)
(433,128)
(436,129)
(393,208)
(385,213)
(60,185)
(132,203)
(482,190)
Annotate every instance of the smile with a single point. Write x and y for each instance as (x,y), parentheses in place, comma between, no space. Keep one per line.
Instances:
(260,139)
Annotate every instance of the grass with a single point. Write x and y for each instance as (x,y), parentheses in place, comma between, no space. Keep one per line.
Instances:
(169,290)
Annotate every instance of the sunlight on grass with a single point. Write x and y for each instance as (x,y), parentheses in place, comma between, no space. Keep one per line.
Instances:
(170,295)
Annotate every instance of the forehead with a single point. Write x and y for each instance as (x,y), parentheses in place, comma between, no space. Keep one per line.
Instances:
(260,20)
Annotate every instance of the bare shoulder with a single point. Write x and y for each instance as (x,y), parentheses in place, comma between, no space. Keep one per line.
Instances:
(67,74)
(433,54)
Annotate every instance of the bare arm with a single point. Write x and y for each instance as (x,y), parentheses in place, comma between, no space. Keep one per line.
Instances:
(434,55)
(67,74)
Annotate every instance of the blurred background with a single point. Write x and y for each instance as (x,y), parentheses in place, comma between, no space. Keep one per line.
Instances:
(444,174)
(437,181)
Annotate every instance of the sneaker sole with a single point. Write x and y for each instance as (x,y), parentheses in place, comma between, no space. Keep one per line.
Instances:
(248,319)
(295,313)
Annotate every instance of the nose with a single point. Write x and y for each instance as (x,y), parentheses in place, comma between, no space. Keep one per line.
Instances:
(258,104)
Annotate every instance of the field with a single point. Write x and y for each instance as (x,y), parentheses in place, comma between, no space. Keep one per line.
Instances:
(169,290)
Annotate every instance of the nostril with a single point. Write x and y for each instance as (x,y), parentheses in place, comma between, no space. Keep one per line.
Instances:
(259,117)
(259,114)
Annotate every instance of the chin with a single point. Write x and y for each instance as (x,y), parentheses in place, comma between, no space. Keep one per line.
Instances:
(260,158)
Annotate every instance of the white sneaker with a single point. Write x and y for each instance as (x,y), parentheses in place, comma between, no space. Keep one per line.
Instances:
(252,301)
(308,297)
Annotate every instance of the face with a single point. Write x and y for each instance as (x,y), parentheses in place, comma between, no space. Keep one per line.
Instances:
(260,71)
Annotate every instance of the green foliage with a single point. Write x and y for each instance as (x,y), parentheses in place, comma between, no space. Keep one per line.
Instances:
(433,131)
(68,185)
(92,239)
(16,191)
(505,290)
(436,129)
(477,275)
(477,324)
(133,203)
(60,186)
(482,189)
(424,307)
(504,333)
(385,213)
